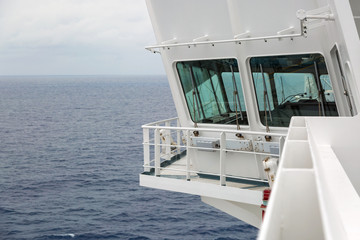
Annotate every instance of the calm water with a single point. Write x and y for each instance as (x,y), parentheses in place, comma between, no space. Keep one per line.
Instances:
(70,155)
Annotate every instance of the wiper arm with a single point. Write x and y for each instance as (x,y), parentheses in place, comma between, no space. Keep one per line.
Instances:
(236,94)
(213,88)
(320,91)
(197,99)
(266,98)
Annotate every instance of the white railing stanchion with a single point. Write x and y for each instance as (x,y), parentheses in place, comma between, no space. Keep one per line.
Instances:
(222,158)
(157,152)
(167,136)
(178,137)
(146,147)
(187,155)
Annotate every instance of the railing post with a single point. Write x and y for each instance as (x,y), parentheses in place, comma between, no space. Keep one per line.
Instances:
(178,137)
(167,140)
(157,152)
(146,147)
(187,155)
(222,158)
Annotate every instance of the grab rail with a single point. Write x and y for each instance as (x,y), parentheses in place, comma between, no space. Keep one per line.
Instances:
(163,147)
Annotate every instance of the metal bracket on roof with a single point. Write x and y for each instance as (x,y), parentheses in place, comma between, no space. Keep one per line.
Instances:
(202,38)
(242,35)
(170,41)
(323,13)
(289,30)
(314,18)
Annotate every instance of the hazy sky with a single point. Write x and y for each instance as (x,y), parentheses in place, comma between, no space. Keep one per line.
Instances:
(65,37)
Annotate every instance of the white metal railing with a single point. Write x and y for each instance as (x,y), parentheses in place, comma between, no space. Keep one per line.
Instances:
(160,146)
(323,13)
(234,40)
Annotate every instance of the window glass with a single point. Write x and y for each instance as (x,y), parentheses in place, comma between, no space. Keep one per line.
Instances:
(328,90)
(213,91)
(296,85)
(229,89)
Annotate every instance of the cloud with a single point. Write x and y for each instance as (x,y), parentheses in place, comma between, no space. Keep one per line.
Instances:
(56,22)
(73,28)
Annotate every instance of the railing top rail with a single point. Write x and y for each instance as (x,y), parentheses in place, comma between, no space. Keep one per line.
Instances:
(158,122)
(232,40)
(216,130)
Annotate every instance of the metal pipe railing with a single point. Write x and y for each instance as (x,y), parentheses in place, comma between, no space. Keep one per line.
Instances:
(165,149)
(234,40)
(212,174)
(217,130)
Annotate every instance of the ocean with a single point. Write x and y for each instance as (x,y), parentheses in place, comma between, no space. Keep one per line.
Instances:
(70,158)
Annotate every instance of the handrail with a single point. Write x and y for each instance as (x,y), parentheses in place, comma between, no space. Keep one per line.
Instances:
(155,125)
(160,121)
(165,148)
(213,149)
(234,40)
(213,174)
(216,130)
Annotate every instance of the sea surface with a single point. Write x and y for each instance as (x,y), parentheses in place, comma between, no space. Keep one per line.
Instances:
(70,156)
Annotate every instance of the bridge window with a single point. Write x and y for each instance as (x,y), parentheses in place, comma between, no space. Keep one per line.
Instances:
(297,85)
(213,91)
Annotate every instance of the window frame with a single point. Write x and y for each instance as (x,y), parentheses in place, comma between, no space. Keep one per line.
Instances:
(224,92)
(259,118)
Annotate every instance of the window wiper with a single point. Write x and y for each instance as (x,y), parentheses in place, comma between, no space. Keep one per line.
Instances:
(321,92)
(196,97)
(213,88)
(282,89)
(236,98)
(308,82)
(266,98)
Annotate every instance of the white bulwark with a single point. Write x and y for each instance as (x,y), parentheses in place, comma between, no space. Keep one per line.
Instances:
(267,96)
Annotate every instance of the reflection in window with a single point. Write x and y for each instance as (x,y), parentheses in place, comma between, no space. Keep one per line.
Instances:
(287,86)
(295,86)
(213,91)
(328,90)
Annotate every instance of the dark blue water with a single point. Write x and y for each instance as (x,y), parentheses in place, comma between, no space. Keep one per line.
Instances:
(70,155)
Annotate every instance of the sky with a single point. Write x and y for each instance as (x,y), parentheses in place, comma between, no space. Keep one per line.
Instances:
(76,37)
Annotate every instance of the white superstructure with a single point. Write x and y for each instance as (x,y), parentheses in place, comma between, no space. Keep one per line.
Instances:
(267,96)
